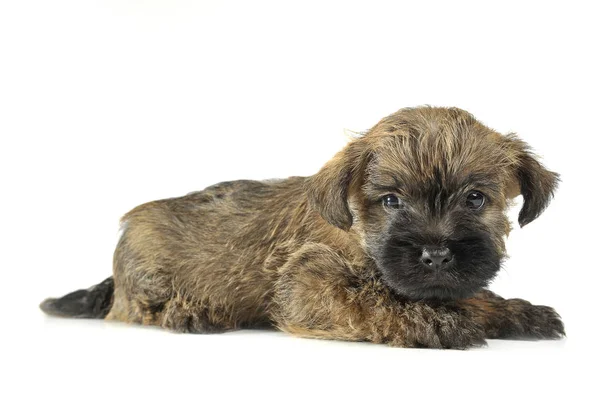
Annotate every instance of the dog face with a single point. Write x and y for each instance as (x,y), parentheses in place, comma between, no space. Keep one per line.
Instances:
(426,191)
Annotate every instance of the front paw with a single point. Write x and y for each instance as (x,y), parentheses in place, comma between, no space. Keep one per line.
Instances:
(440,328)
(527,321)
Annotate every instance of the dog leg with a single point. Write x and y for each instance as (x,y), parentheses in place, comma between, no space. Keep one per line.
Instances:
(175,314)
(183,316)
(513,318)
(319,295)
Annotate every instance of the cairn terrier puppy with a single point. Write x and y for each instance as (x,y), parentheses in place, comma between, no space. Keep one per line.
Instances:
(394,240)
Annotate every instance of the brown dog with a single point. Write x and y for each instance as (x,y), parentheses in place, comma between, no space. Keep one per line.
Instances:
(393,240)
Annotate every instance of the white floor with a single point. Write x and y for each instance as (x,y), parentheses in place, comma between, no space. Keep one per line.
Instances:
(50,357)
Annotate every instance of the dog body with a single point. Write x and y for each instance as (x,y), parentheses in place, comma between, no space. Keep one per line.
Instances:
(394,240)
(220,250)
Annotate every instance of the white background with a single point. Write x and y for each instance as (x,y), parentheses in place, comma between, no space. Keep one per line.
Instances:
(108,104)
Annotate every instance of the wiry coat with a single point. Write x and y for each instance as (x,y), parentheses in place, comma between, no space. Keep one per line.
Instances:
(318,256)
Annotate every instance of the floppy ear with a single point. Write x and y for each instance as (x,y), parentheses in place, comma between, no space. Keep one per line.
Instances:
(536,183)
(328,189)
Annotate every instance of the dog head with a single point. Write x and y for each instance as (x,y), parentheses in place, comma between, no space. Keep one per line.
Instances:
(426,190)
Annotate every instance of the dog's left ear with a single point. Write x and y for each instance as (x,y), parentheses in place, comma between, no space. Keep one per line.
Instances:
(328,189)
(536,183)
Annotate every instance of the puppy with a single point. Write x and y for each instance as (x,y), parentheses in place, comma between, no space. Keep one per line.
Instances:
(393,241)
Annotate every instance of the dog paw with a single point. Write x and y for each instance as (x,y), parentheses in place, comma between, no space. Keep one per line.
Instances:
(182,319)
(439,328)
(527,321)
(189,323)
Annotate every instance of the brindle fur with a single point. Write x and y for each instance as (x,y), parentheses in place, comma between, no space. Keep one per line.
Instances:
(307,254)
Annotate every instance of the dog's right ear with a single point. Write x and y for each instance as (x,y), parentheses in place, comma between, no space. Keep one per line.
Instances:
(328,189)
(536,183)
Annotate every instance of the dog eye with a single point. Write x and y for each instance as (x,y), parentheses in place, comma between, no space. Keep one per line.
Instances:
(475,200)
(391,201)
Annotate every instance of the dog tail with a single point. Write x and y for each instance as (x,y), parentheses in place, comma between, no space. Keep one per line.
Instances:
(93,303)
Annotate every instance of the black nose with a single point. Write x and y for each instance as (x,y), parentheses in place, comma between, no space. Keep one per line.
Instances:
(436,258)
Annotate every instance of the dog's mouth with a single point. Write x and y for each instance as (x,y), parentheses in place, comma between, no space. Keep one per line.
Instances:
(439,292)
(433,284)
(473,265)
(443,285)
